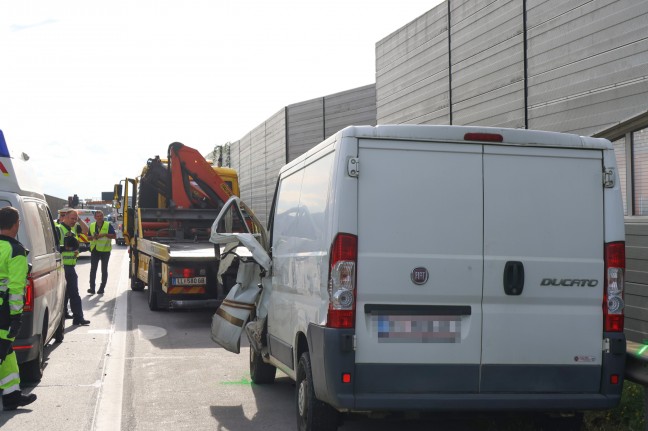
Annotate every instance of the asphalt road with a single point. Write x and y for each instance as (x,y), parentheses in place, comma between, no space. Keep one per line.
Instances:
(134,369)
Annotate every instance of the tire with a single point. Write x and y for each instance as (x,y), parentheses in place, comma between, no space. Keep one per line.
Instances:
(260,372)
(59,334)
(312,414)
(136,285)
(32,371)
(152,287)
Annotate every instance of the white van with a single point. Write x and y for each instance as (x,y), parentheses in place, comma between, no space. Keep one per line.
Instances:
(423,268)
(43,313)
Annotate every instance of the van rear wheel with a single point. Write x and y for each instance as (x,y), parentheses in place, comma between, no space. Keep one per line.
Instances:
(59,334)
(32,371)
(312,414)
(260,372)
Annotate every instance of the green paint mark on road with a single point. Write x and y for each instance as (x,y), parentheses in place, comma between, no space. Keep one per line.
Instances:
(243,381)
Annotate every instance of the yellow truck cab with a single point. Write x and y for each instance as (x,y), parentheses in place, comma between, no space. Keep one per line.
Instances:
(43,313)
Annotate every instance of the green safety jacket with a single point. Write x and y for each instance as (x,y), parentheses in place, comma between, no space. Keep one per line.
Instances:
(13,277)
(101,244)
(70,255)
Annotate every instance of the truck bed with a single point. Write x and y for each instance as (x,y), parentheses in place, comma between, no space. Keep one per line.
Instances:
(177,251)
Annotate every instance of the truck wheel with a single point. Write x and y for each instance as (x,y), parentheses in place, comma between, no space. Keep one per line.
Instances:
(135,284)
(312,414)
(152,287)
(261,372)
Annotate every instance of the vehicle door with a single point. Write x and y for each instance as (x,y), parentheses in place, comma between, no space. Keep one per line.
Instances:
(543,269)
(45,260)
(419,276)
(239,235)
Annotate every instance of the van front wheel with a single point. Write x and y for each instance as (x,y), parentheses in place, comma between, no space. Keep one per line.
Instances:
(260,372)
(312,414)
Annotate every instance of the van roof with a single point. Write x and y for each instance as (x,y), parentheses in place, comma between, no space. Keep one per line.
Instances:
(16,176)
(456,134)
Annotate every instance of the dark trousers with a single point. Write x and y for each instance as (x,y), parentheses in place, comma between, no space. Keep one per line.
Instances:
(95,257)
(72,291)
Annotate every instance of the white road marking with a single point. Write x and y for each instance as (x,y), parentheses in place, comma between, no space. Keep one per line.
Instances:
(108,409)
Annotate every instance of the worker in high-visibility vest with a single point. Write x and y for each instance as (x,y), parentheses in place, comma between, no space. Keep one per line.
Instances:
(13,277)
(69,251)
(101,235)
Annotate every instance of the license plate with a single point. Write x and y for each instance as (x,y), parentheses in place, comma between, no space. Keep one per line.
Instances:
(190,281)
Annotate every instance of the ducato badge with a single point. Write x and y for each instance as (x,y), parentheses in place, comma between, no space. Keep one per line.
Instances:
(419,275)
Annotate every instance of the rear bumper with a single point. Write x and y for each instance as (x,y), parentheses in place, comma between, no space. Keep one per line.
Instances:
(436,387)
(26,348)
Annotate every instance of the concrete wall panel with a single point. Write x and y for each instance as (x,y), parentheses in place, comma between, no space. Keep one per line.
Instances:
(587,64)
(353,107)
(412,72)
(305,126)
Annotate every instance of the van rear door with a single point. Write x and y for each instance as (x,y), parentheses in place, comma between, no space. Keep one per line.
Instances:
(419,280)
(543,269)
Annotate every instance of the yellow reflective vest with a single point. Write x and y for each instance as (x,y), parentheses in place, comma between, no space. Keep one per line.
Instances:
(69,256)
(101,244)
(13,275)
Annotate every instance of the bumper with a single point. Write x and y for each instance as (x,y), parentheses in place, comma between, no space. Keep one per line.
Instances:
(437,387)
(26,348)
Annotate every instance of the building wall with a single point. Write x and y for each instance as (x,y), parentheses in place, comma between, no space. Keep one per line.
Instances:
(636,295)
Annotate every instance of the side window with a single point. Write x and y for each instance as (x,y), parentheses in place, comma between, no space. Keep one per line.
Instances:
(48,227)
(34,226)
(313,203)
(300,207)
(286,207)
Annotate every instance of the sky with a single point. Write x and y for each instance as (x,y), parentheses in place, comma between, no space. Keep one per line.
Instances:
(91,90)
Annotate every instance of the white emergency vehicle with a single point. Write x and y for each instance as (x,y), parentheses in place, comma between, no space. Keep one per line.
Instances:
(43,312)
(423,268)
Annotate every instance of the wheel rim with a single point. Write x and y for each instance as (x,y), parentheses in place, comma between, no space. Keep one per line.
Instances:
(301,398)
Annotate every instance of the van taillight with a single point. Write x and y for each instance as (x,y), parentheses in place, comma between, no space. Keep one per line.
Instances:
(613,303)
(341,284)
(29,295)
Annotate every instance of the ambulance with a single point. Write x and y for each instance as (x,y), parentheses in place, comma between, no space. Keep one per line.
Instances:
(43,313)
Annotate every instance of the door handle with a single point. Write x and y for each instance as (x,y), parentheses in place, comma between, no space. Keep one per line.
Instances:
(513,278)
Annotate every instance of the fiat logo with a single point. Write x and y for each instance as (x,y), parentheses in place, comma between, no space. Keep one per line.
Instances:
(419,275)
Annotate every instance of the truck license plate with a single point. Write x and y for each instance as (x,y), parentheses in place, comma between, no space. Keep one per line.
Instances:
(191,281)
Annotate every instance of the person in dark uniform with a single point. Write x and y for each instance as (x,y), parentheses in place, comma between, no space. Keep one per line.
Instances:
(69,251)
(13,277)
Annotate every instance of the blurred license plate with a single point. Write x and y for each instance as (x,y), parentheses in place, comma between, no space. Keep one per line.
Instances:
(190,281)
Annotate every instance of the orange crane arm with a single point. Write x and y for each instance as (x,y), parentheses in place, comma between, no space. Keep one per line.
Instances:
(194,183)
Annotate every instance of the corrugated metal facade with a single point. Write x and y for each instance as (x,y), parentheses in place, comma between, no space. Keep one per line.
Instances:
(636,312)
